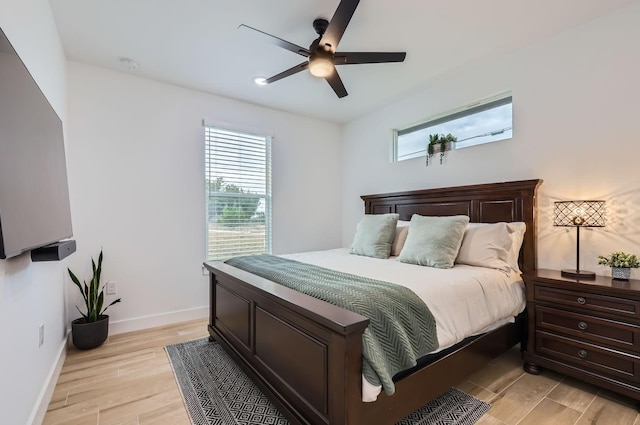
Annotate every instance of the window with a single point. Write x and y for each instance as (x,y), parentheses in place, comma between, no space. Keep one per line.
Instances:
(488,121)
(238,191)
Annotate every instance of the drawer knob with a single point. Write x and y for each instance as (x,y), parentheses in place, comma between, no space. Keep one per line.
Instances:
(582,354)
(582,301)
(582,326)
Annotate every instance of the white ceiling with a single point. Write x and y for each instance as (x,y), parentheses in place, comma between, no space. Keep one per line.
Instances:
(196,44)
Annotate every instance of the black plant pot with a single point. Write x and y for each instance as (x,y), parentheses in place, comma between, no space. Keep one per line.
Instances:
(90,335)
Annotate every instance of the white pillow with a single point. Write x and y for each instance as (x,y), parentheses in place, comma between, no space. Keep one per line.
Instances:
(518,229)
(492,245)
(402,230)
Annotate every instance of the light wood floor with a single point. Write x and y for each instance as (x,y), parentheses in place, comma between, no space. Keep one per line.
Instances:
(128,381)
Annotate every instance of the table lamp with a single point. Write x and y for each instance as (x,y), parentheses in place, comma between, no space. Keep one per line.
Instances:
(579,214)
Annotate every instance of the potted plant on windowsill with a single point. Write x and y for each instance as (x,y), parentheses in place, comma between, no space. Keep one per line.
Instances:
(92,329)
(620,263)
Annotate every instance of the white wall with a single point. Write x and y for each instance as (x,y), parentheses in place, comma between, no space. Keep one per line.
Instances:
(136,177)
(576,100)
(31,293)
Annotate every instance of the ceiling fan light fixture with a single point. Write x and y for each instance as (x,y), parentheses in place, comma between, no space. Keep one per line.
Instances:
(322,56)
(261,81)
(321,65)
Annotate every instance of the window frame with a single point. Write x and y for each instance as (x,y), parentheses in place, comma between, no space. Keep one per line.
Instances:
(208,130)
(486,104)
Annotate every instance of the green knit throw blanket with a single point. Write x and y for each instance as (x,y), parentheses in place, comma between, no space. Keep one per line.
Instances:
(401,328)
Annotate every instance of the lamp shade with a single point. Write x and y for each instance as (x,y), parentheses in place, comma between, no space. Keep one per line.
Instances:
(321,64)
(579,213)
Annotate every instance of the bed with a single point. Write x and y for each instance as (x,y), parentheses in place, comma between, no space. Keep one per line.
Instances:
(306,354)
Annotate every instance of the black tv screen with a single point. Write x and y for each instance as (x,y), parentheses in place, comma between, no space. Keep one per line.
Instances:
(34,195)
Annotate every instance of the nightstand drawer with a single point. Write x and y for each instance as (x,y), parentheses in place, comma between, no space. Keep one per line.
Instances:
(595,329)
(589,357)
(587,301)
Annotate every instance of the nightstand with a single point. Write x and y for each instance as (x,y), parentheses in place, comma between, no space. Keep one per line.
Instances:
(587,329)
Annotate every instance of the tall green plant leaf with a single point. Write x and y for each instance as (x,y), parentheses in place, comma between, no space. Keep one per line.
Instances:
(99,304)
(112,303)
(92,293)
(99,270)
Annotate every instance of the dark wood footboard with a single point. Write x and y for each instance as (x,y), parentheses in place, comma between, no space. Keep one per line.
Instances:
(305,353)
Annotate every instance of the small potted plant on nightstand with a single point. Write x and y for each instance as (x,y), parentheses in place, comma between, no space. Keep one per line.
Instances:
(91,330)
(620,263)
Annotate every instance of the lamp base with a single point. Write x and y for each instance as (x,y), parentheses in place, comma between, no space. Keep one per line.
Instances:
(578,274)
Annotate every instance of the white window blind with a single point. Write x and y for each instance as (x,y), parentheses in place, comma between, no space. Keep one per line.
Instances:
(238,191)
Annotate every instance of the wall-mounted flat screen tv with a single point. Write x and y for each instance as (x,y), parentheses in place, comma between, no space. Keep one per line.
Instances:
(34,195)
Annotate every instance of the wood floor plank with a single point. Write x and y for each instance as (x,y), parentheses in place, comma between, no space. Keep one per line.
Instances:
(115,359)
(604,411)
(58,398)
(159,364)
(499,375)
(130,413)
(123,390)
(487,419)
(170,414)
(129,381)
(88,419)
(68,414)
(86,376)
(515,402)
(477,392)
(575,394)
(549,412)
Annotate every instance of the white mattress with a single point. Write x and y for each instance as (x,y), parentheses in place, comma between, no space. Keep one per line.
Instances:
(464,300)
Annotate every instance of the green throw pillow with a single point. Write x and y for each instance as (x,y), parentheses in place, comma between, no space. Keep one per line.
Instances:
(374,235)
(434,241)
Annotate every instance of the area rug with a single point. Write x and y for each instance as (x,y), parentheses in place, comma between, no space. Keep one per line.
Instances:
(216,391)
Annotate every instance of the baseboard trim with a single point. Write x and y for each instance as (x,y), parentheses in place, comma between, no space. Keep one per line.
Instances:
(152,321)
(40,408)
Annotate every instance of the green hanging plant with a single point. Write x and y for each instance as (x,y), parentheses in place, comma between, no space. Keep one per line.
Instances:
(441,140)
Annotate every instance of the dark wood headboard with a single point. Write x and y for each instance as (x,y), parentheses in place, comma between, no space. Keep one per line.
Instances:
(483,203)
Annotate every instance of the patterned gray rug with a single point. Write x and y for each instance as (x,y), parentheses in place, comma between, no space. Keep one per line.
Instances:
(216,391)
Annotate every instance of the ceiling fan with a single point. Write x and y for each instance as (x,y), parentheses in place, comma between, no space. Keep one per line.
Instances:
(322,57)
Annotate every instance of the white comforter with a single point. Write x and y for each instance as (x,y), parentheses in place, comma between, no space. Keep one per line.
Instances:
(464,300)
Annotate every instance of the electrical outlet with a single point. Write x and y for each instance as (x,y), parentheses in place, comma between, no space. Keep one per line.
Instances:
(40,335)
(205,272)
(111,288)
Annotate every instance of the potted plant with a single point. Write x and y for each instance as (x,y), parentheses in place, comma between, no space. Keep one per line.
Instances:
(620,263)
(438,142)
(91,330)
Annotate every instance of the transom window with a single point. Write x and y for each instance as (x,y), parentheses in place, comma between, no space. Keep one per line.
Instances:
(238,193)
(487,121)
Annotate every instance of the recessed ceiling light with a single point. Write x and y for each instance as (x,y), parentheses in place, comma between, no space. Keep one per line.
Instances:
(261,81)
(129,63)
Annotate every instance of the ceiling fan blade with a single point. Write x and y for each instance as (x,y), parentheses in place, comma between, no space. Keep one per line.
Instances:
(352,58)
(336,84)
(338,23)
(277,41)
(288,72)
